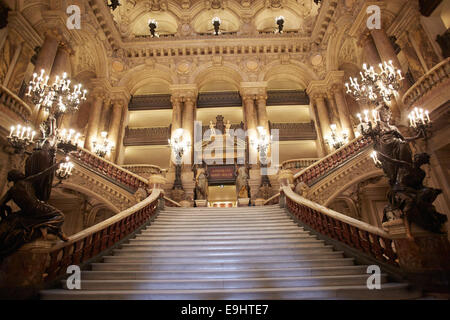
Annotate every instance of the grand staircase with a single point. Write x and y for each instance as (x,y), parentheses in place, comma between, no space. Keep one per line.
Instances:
(238,253)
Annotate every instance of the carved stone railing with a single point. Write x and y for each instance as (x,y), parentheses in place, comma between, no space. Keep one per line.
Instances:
(325,166)
(110,170)
(14,104)
(371,240)
(144,170)
(431,88)
(90,242)
(146,136)
(298,163)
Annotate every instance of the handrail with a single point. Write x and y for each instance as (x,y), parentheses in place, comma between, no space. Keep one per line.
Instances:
(172,203)
(272,200)
(20,107)
(110,169)
(90,242)
(426,82)
(315,171)
(130,167)
(357,234)
(307,161)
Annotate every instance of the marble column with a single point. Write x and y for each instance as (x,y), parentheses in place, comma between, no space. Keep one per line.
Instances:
(344,116)
(176,114)
(114,125)
(94,119)
(387,52)
(321,149)
(249,113)
(62,64)
(323,114)
(188,125)
(262,111)
(416,64)
(45,60)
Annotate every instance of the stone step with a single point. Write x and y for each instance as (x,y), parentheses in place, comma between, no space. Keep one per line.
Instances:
(229,266)
(250,252)
(246,283)
(258,215)
(221,274)
(223,259)
(223,228)
(228,235)
(225,243)
(223,248)
(212,224)
(390,291)
(224,219)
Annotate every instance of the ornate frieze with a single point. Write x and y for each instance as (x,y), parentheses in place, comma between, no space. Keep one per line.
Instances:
(295,131)
(146,136)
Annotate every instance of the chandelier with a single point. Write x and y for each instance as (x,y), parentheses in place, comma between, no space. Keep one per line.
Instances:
(179,145)
(58,97)
(375,87)
(103,148)
(419,121)
(65,170)
(335,139)
(20,137)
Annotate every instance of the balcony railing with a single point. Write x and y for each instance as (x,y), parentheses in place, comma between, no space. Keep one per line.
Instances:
(371,240)
(110,170)
(144,170)
(90,242)
(14,104)
(298,163)
(437,77)
(325,166)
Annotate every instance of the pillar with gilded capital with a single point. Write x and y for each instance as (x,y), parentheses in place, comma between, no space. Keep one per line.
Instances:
(344,114)
(94,119)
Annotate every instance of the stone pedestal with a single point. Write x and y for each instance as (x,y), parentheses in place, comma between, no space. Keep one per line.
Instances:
(243,202)
(425,258)
(22,274)
(186,204)
(201,203)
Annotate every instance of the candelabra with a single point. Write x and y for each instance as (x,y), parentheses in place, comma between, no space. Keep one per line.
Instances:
(335,139)
(57,98)
(216,23)
(153,24)
(280,22)
(419,120)
(20,137)
(65,170)
(179,145)
(262,144)
(68,140)
(375,87)
(103,148)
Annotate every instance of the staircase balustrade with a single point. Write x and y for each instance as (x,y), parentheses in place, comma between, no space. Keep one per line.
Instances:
(90,242)
(14,104)
(371,240)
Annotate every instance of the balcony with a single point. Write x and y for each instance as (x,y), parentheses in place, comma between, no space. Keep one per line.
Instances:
(13,109)
(431,90)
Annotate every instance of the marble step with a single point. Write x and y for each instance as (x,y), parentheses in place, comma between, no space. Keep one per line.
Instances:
(212,225)
(249,252)
(390,291)
(221,236)
(227,265)
(223,259)
(228,229)
(222,274)
(225,243)
(245,283)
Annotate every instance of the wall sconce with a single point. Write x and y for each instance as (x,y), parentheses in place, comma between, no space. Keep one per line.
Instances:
(103,148)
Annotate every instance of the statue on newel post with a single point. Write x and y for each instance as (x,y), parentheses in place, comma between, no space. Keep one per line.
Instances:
(35,219)
(408,197)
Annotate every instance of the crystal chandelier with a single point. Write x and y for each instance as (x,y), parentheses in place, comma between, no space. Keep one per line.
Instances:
(56,98)
(103,148)
(375,87)
(335,139)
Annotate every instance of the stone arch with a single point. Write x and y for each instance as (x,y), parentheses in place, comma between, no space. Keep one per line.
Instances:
(208,72)
(369,174)
(296,72)
(86,191)
(141,75)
